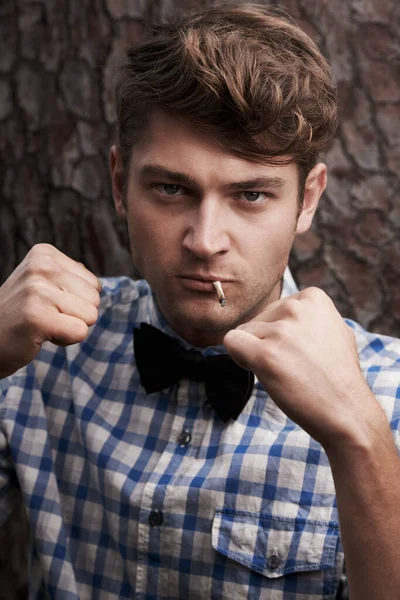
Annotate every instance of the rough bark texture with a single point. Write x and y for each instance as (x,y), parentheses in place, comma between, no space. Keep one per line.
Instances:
(57,121)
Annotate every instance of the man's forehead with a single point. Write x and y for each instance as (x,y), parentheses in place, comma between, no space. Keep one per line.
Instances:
(178,146)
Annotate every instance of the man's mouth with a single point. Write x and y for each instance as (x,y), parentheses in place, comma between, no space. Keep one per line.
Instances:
(201,283)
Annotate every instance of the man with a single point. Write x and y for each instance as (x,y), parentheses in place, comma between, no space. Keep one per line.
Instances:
(151,466)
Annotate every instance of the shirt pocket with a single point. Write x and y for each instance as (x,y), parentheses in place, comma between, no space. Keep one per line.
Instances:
(275,546)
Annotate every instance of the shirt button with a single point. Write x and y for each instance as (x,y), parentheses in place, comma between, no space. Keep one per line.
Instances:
(273,561)
(184,438)
(155,518)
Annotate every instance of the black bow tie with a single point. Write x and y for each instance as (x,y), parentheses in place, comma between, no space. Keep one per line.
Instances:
(162,361)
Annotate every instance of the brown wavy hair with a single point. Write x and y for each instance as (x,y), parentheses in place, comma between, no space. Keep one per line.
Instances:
(246,74)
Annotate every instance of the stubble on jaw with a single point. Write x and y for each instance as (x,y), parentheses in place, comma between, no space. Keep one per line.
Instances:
(210,329)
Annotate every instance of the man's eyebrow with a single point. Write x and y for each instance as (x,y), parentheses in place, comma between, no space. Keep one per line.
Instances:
(159,171)
(271,182)
(181,177)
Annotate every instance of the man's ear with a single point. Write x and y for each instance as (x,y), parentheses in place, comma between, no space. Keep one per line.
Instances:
(314,187)
(117,179)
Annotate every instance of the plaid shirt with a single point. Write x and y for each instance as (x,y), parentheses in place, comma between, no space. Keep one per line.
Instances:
(142,496)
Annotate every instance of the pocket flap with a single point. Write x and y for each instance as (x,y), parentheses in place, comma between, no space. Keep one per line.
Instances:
(272,545)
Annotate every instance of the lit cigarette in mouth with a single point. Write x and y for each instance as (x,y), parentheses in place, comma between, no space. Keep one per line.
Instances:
(220,293)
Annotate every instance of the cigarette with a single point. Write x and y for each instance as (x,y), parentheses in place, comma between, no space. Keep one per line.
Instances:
(220,293)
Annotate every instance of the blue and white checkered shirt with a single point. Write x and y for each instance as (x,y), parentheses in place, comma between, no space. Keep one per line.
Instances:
(142,496)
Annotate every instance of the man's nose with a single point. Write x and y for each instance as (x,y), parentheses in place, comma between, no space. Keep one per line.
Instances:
(207,233)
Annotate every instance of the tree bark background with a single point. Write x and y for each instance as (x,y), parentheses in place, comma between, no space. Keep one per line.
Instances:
(57,119)
(57,122)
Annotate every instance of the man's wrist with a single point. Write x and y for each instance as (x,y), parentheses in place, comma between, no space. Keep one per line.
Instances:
(369,435)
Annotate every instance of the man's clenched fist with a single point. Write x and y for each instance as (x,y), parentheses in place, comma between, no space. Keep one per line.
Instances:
(49,297)
(305,355)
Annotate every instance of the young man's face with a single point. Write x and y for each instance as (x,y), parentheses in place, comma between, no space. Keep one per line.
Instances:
(198,214)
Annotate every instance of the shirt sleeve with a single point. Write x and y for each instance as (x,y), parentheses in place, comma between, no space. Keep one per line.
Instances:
(9,489)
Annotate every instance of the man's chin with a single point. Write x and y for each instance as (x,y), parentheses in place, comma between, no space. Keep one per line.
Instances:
(200,325)
(218,319)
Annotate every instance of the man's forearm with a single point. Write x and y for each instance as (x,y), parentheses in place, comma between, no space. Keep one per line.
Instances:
(367,481)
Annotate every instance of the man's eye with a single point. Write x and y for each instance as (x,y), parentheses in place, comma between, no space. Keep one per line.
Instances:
(169,189)
(254,196)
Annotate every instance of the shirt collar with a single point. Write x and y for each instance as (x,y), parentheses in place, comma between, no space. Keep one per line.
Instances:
(289,286)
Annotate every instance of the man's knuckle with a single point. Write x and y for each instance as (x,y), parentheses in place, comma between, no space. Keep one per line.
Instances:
(91,314)
(91,296)
(30,290)
(96,299)
(40,249)
(46,264)
(314,293)
(80,330)
(42,264)
(292,306)
(281,329)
